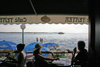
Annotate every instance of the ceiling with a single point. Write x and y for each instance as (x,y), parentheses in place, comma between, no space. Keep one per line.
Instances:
(24,7)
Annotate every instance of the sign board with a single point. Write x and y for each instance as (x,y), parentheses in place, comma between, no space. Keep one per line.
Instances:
(33,19)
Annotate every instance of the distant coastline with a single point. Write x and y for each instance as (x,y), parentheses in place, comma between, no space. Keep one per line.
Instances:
(28,32)
(38,32)
(33,32)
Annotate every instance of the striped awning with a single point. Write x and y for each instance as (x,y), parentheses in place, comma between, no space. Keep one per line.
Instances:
(50,19)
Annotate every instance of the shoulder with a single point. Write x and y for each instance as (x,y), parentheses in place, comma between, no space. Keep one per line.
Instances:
(21,54)
(85,50)
(79,55)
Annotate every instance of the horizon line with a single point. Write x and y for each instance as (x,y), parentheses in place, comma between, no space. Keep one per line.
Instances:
(32,32)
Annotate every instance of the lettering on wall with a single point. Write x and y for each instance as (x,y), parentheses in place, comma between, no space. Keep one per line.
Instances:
(18,19)
(76,19)
(6,19)
(11,20)
(25,19)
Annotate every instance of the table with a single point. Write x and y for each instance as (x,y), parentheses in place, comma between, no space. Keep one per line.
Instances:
(63,62)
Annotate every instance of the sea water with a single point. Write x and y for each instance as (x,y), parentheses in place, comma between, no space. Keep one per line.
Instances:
(65,41)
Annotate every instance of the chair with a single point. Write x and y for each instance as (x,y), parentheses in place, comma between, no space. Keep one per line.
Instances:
(30,64)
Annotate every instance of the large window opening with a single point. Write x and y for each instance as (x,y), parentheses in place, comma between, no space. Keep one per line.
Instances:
(63,31)
(72,33)
(49,32)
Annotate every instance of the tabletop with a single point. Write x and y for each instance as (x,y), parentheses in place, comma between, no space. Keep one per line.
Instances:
(63,62)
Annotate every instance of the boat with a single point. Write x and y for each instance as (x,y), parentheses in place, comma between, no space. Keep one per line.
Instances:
(60,33)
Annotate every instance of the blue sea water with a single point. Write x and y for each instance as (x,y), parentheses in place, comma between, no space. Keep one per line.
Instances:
(65,41)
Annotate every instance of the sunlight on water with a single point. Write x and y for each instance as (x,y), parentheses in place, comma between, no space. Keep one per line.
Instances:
(65,41)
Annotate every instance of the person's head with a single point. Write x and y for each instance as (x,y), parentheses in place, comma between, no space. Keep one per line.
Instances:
(81,45)
(37,49)
(20,47)
(37,46)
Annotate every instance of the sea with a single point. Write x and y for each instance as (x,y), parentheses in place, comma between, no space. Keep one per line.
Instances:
(65,41)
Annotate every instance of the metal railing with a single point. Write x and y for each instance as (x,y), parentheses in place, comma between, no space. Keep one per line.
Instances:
(56,54)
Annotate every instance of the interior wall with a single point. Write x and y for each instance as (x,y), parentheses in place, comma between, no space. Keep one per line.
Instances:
(94,33)
(97,36)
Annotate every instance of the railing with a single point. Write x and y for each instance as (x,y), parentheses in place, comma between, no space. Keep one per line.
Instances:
(59,54)
(63,54)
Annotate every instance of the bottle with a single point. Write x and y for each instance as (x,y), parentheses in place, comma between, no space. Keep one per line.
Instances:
(68,60)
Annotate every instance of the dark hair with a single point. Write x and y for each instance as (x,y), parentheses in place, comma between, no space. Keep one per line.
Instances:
(37,45)
(81,45)
(21,46)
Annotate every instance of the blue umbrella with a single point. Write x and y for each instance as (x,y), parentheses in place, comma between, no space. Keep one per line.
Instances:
(49,45)
(7,45)
(31,46)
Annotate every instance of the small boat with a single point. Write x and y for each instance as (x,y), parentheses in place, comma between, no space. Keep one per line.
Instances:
(60,33)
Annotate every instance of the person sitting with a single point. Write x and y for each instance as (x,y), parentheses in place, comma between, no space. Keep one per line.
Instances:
(82,57)
(21,58)
(40,60)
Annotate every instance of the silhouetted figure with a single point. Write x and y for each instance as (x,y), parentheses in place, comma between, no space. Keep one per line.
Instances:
(41,40)
(82,57)
(40,60)
(37,39)
(21,58)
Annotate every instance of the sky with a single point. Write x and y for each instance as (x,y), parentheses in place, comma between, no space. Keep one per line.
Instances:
(67,28)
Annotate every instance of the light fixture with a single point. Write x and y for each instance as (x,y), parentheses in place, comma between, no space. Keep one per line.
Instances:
(45,19)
